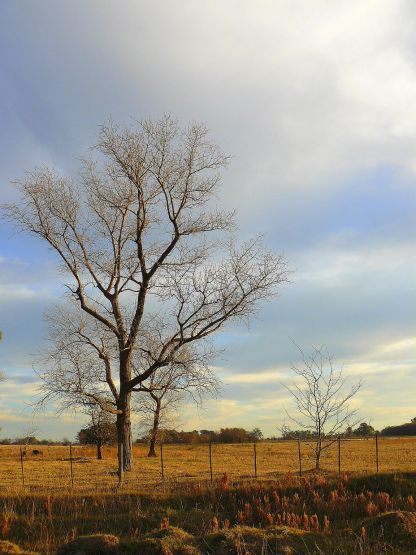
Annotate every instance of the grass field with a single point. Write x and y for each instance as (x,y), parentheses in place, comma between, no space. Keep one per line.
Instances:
(314,514)
(51,470)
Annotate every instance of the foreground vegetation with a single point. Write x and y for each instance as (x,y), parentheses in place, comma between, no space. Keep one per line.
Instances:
(315,514)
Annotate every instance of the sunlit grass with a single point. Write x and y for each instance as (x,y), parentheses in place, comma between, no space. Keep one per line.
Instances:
(52,469)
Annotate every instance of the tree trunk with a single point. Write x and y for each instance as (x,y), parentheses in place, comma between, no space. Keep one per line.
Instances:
(124,431)
(99,451)
(155,429)
(318,454)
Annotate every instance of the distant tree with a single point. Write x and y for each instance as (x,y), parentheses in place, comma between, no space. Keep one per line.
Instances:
(255,435)
(321,399)
(413,420)
(288,433)
(206,436)
(101,431)
(26,440)
(233,435)
(364,430)
(348,432)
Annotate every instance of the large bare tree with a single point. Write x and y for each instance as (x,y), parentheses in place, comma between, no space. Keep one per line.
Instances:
(152,264)
(322,399)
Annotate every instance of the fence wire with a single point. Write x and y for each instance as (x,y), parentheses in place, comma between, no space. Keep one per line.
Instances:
(76,467)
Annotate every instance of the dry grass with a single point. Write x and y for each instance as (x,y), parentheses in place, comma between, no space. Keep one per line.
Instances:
(314,514)
(51,470)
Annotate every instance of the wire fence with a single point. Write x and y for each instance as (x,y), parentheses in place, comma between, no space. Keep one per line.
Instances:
(75,467)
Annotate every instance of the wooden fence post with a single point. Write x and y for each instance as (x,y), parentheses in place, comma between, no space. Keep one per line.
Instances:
(210,460)
(377,452)
(120,463)
(70,462)
(21,466)
(300,458)
(161,461)
(255,459)
(339,456)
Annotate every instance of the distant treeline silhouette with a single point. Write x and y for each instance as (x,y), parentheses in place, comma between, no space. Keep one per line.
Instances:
(225,435)
(92,435)
(32,440)
(408,429)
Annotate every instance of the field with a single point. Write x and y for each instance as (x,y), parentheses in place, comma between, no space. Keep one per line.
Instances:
(51,470)
(360,512)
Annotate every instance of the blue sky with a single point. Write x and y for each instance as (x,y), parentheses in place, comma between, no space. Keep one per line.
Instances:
(316,103)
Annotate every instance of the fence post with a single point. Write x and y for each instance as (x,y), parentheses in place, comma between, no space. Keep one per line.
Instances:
(255,459)
(70,462)
(161,460)
(377,452)
(21,465)
(339,456)
(300,458)
(120,463)
(210,459)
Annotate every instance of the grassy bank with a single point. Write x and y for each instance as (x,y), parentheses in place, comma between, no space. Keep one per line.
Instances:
(317,512)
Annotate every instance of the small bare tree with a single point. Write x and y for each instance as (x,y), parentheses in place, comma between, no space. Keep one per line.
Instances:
(150,259)
(168,387)
(321,398)
(159,411)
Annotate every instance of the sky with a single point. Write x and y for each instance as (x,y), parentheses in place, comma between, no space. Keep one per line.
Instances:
(316,104)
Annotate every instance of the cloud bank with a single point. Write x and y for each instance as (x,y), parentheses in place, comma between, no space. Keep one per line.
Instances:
(316,104)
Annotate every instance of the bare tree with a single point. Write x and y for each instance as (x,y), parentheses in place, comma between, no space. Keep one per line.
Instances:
(168,387)
(322,399)
(160,411)
(151,262)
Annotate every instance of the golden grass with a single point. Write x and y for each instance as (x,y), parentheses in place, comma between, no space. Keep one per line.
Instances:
(52,470)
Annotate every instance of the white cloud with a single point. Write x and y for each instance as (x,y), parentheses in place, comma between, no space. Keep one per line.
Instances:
(297,91)
(250,378)
(351,259)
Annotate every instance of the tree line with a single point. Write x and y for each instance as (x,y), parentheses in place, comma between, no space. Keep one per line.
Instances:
(106,434)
